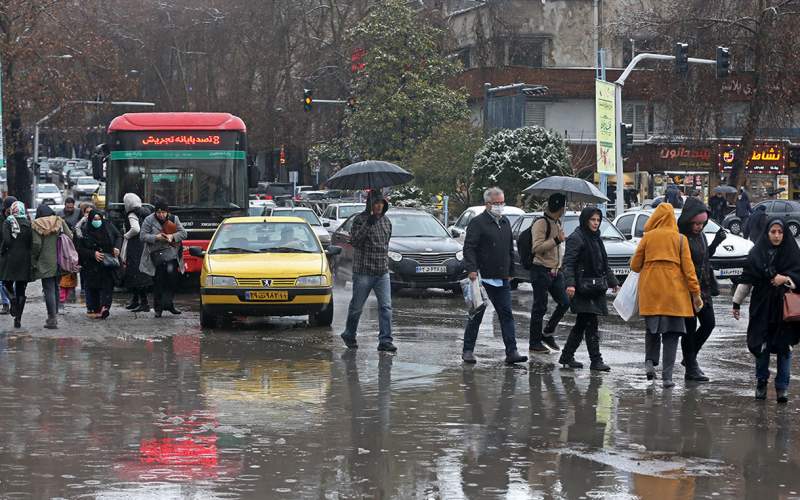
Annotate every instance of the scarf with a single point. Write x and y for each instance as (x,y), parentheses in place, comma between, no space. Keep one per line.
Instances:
(17,211)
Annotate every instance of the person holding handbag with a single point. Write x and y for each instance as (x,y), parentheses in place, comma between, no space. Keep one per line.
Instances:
(588,277)
(15,266)
(98,251)
(668,289)
(771,273)
(162,257)
(47,228)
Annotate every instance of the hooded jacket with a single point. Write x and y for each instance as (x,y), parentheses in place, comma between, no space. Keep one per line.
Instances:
(46,230)
(667,277)
(700,250)
(370,239)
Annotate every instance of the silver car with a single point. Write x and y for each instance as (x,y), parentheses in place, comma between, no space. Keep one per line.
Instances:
(306,214)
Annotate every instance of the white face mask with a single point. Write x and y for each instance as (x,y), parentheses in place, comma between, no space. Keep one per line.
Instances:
(497,210)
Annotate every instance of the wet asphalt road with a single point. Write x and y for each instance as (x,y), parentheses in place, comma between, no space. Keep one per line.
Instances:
(136,407)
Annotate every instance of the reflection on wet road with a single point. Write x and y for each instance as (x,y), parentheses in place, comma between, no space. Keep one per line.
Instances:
(274,409)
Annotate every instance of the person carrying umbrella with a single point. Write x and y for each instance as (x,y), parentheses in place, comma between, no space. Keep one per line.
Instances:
(370,239)
(489,249)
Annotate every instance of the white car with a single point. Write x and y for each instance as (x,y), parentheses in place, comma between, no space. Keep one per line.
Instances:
(306,214)
(258,207)
(49,194)
(729,260)
(459,229)
(336,213)
(84,187)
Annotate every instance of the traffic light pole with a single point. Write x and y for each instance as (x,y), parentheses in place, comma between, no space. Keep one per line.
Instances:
(620,202)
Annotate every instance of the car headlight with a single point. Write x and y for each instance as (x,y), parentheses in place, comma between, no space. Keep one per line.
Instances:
(460,255)
(319,280)
(395,256)
(212,280)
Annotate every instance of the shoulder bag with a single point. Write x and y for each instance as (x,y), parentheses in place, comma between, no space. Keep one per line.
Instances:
(592,286)
(791,307)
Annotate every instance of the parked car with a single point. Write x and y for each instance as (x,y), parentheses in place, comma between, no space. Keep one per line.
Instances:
(310,196)
(459,229)
(99,197)
(336,213)
(731,255)
(422,254)
(72,174)
(259,266)
(306,214)
(84,187)
(788,210)
(618,249)
(276,191)
(49,194)
(257,208)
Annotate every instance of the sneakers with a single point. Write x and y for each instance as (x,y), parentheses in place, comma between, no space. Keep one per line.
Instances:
(515,357)
(350,342)
(782,397)
(550,342)
(761,390)
(468,357)
(387,347)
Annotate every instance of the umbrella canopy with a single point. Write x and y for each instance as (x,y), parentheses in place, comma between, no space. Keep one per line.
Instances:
(369,174)
(725,189)
(575,189)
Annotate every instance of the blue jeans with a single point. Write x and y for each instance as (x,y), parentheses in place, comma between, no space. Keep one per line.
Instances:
(501,300)
(784,365)
(362,285)
(4,296)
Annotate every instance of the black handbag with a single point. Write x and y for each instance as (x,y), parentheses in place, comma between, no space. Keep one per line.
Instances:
(159,256)
(110,261)
(592,285)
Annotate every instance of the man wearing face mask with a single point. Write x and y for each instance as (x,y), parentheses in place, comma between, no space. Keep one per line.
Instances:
(162,258)
(489,250)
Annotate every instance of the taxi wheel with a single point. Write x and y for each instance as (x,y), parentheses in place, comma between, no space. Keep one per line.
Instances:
(324,317)
(207,320)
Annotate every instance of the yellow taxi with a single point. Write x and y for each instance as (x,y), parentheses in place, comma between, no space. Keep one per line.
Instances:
(99,197)
(265,266)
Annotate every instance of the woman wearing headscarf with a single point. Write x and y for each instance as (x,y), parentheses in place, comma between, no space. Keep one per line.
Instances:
(136,281)
(668,289)
(99,242)
(772,270)
(4,297)
(162,234)
(588,277)
(15,266)
(44,254)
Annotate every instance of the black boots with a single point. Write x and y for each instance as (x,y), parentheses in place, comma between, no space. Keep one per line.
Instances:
(134,303)
(593,346)
(761,389)
(569,362)
(17,307)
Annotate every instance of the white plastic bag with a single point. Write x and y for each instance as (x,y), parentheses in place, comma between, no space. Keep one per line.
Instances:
(627,301)
(474,295)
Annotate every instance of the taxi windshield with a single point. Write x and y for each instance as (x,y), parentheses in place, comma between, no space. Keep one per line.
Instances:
(264,237)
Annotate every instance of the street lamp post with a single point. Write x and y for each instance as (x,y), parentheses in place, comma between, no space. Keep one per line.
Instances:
(53,113)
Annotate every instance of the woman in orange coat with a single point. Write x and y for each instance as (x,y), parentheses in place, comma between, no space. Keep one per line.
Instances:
(668,288)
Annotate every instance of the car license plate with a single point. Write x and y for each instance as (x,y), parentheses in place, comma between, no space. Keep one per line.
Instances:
(736,271)
(623,271)
(431,269)
(267,295)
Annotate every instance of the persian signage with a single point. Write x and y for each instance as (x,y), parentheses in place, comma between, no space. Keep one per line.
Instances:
(765,158)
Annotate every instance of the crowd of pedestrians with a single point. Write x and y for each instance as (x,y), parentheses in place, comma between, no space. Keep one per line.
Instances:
(148,253)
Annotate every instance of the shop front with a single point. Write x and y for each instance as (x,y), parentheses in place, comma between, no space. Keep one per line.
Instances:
(765,169)
(690,167)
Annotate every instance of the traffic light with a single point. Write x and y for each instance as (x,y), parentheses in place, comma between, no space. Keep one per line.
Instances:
(626,138)
(681,58)
(308,99)
(723,62)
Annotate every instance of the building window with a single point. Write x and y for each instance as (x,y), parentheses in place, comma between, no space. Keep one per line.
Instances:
(534,114)
(464,55)
(640,117)
(527,52)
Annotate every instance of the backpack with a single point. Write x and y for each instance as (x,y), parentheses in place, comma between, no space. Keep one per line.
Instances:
(66,255)
(525,244)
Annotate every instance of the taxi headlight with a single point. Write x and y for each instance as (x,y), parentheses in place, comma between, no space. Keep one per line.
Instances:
(319,280)
(459,255)
(212,280)
(395,256)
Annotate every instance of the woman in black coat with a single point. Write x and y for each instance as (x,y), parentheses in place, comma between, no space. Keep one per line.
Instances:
(588,277)
(15,266)
(135,281)
(99,240)
(772,270)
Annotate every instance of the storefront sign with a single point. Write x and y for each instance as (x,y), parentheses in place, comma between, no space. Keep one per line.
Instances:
(764,159)
(605,127)
(686,157)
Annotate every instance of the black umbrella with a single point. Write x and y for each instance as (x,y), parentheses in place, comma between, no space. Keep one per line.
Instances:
(725,189)
(369,174)
(575,189)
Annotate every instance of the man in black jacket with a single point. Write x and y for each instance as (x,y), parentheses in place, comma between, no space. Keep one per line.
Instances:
(691,223)
(489,250)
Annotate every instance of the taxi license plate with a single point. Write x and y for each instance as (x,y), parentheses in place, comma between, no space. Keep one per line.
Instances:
(267,295)
(431,269)
(737,271)
(621,271)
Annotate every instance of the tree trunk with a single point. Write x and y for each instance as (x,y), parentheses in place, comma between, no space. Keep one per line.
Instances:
(19,178)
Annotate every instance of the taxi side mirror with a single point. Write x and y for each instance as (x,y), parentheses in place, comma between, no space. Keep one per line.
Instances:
(197,252)
(333,251)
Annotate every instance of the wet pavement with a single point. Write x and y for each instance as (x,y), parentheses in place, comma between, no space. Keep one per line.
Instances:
(136,407)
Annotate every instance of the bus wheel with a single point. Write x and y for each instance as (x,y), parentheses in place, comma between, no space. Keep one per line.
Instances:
(207,320)
(324,317)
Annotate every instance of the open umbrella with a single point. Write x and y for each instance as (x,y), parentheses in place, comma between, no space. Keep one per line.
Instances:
(369,174)
(725,189)
(575,189)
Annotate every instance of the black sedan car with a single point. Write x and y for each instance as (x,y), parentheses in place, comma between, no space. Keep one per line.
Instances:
(422,254)
(619,250)
(789,211)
